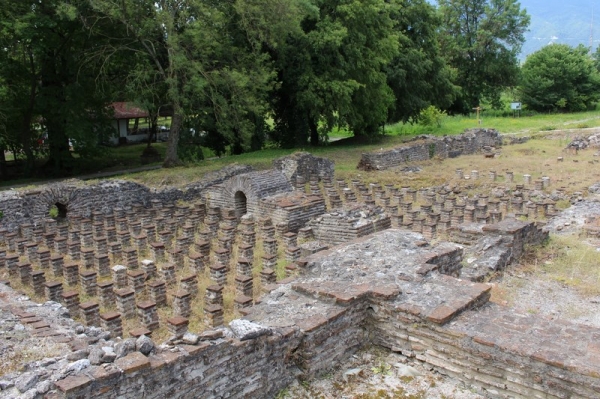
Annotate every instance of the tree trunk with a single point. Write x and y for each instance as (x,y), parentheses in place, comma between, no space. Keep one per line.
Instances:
(314,132)
(236,145)
(153,128)
(26,142)
(3,171)
(60,159)
(26,121)
(171,157)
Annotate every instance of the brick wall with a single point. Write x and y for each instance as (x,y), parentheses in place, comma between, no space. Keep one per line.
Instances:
(427,147)
(32,206)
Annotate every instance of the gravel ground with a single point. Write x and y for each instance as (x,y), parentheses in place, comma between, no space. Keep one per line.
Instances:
(377,374)
(540,295)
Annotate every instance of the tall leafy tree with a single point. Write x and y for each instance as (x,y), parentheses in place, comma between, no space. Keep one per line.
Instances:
(49,82)
(481,39)
(419,76)
(162,34)
(332,71)
(597,58)
(206,56)
(560,77)
(19,77)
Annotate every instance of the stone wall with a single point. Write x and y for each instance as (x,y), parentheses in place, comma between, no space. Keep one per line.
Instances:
(33,206)
(81,198)
(502,353)
(493,247)
(427,147)
(254,186)
(304,165)
(254,368)
(293,210)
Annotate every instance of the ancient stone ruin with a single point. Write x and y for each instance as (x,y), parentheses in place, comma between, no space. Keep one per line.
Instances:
(427,147)
(247,280)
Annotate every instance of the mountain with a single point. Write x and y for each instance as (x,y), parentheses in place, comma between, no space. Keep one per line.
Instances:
(554,21)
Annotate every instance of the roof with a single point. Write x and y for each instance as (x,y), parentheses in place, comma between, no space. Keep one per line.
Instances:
(124,110)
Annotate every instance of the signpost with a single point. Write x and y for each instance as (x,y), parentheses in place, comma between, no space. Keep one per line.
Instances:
(516,108)
(478,109)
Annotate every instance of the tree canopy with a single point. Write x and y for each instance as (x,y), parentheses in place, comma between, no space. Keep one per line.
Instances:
(235,74)
(419,75)
(481,39)
(332,71)
(560,77)
(49,84)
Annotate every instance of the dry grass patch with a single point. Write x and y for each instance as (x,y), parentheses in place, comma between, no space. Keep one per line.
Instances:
(568,260)
(538,157)
(572,261)
(17,355)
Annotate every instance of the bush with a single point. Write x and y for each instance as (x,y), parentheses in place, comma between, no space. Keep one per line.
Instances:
(431,116)
(560,78)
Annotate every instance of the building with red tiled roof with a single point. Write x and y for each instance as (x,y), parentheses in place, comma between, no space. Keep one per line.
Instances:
(124,110)
(122,113)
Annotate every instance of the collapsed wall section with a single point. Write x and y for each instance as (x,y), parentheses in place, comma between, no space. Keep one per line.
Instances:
(344,225)
(302,165)
(293,210)
(81,198)
(427,147)
(492,247)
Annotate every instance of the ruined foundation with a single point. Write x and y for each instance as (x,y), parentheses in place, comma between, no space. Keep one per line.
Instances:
(358,265)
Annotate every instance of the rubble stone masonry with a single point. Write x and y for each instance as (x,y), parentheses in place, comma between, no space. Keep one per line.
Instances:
(391,289)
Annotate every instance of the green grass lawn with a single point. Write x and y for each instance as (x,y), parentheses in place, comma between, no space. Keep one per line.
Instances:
(344,149)
(523,124)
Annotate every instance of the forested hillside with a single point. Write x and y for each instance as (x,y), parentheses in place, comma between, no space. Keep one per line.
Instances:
(558,21)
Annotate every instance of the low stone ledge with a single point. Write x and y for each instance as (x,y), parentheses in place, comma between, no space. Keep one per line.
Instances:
(133,362)
(73,384)
(345,295)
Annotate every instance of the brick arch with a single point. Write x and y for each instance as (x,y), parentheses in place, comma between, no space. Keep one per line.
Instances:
(245,185)
(240,204)
(60,194)
(254,186)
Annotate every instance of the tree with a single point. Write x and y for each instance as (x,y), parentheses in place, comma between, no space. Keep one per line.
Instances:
(560,77)
(206,56)
(597,58)
(332,71)
(49,81)
(419,76)
(162,34)
(481,39)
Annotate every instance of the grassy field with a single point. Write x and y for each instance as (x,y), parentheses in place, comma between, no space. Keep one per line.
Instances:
(523,124)
(344,149)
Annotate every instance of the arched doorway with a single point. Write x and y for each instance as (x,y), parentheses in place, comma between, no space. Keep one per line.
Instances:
(58,211)
(241,204)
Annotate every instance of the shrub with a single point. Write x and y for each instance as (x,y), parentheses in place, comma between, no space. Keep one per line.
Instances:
(431,116)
